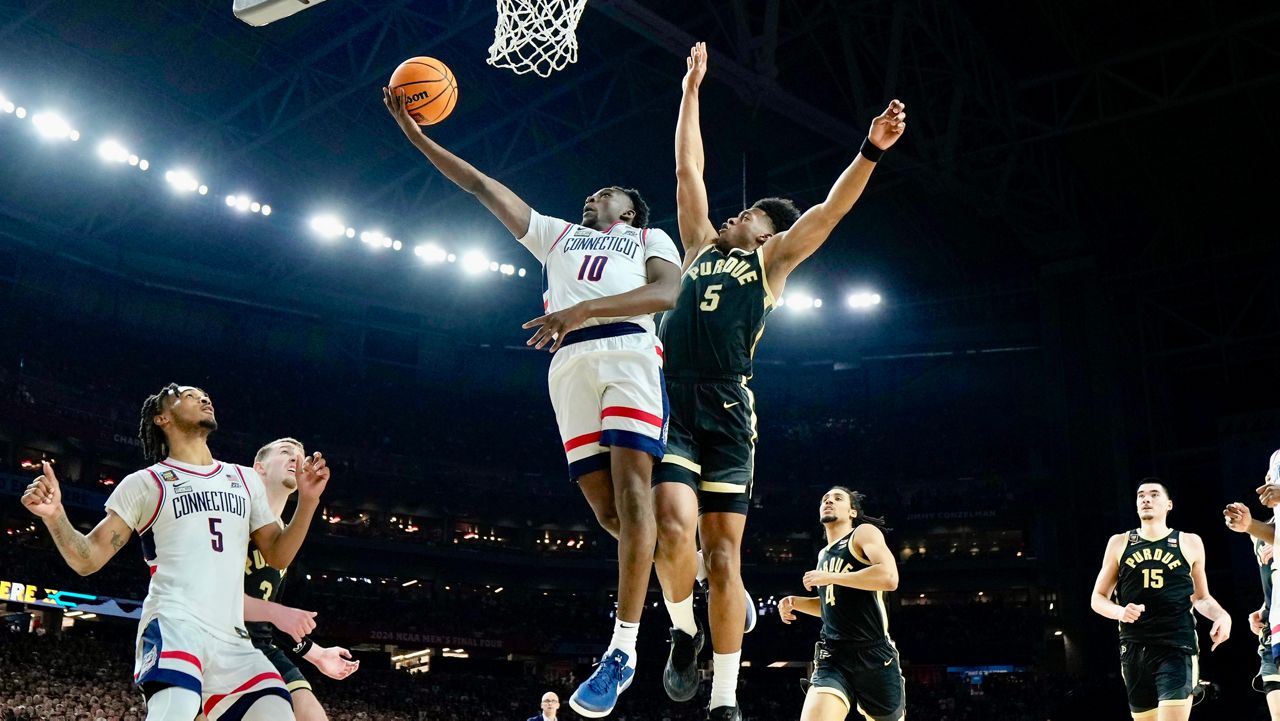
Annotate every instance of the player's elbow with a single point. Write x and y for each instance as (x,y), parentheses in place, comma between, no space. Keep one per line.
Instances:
(87,569)
(891,580)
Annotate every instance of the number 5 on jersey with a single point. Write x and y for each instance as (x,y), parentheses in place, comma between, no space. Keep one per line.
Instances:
(712,297)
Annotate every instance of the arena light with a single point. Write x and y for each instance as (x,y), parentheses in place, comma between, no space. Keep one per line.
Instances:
(430,253)
(328,226)
(242,203)
(266,209)
(863,300)
(507,269)
(800,301)
(21,112)
(112,151)
(6,105)
(183,181)
(474,262)
(522,273)
(53,126)
(143,165)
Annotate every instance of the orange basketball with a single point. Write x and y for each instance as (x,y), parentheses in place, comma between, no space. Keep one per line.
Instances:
(429,87)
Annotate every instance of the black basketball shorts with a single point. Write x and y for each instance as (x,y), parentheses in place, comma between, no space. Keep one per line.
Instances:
(1157,676)
(865,677)
(711,443)
(293,678)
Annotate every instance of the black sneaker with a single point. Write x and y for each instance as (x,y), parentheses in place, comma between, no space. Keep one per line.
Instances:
(724,713)
(680,677)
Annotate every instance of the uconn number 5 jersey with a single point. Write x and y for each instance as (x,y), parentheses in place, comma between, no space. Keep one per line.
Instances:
(194,523)
(581,263)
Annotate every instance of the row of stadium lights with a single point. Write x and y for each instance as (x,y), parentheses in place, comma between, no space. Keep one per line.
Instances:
(52,126)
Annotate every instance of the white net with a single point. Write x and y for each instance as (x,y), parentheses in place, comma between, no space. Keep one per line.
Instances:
(536,35)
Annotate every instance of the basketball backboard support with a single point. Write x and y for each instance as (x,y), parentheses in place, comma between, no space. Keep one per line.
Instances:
(262,12)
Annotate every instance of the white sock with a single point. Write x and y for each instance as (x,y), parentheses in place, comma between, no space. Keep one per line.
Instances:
(624,639)
(724,678)
(702,567)
(682,614)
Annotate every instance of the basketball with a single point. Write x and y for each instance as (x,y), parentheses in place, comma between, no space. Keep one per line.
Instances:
(430,89)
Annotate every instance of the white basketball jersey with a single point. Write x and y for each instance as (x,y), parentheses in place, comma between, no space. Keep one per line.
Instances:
(581,263)
(194,522)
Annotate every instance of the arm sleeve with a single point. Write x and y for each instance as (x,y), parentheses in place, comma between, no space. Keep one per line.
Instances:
(136,499)
(544,231)
(657,244)
(259,510)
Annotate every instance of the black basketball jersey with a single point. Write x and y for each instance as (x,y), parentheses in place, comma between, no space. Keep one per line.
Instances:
(850,614)
(264,582)
(1157,575)
(713,330)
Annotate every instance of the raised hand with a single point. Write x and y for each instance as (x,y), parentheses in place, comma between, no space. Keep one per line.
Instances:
(293,621)
(334,661)
(314,477)
(44,497)
(889,125)
(1132,612)
(696,65)
(787,609)
(395,103)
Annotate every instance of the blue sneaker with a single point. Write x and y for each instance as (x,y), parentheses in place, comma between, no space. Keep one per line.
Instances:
(596,697)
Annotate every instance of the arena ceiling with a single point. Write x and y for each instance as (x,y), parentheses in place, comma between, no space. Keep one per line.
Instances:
(1038,133)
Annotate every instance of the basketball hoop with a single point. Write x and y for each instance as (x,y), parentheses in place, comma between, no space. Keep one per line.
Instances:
(536,35)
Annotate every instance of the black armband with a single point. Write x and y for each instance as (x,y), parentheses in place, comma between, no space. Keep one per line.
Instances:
(870,151)
(303,646)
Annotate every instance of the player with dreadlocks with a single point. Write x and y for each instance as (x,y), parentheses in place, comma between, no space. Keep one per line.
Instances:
(194,516)
(855,662)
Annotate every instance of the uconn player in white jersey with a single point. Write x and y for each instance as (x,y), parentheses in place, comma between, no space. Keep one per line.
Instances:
(194,516)
(605,277)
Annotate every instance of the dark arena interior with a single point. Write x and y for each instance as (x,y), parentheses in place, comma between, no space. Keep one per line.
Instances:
(1062,280)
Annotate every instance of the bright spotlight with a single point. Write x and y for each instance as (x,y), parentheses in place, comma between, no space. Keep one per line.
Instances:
(6,105)
(143,165)
(507,269)
(327,226)
(74,135)
(452,258)
(799,301)
(112,151)
(266,209)
(430,253)
(134,160)
(204,190)
(863,300)
(397,245)
(386,242)
(522,273)
(255,206)
(351,232)
(183,181)
(474,262)
(21,112)
(817,302)
(493,266)
(242,203)
(231,201)
(52,126)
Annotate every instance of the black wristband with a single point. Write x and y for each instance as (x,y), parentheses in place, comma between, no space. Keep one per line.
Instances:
(870,151)
(303,646)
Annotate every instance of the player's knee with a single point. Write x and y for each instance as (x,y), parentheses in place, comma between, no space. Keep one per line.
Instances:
(674,533)
(608,520)
(722,563)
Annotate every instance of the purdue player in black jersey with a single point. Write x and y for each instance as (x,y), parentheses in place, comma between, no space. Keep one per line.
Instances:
(1157,575)
(703,484)
(855,663)
(277,463)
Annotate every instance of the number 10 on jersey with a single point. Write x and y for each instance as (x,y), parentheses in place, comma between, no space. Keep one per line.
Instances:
(592,267)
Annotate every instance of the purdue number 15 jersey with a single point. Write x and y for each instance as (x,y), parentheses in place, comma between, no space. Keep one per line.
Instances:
(194,523)
(581,263)
(1157,575)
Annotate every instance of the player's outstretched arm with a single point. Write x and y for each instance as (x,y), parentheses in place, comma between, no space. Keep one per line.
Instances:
(881,575)
(659,294)
(788,249)
(85,554)
(692,207)
(292,621)
(498,198)
(1208,607)
(789,606)
(1105,585)
(280,546)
